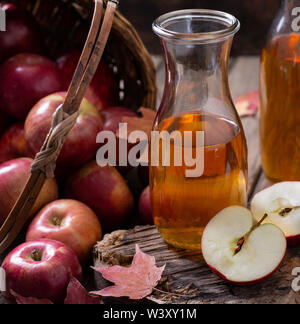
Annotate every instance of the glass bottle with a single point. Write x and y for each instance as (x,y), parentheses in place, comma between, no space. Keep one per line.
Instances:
(280,96)
(196,100)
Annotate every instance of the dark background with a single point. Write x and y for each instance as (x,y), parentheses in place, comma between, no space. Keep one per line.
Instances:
(255,16)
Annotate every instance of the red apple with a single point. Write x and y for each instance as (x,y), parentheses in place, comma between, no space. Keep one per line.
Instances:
(13,144)
(21,35)
(80,145)
(103,90)
(41,269)
(145,209)
(240,251)
(105,191)
(113,116)
(24,80)
(13,177)
(70,222)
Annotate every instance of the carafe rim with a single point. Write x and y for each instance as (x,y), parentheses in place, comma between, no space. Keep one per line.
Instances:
(229,25)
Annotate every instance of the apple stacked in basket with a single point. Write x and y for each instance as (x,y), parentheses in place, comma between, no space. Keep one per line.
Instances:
(84,200)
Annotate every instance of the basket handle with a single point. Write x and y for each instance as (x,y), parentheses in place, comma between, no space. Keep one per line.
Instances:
(64,119)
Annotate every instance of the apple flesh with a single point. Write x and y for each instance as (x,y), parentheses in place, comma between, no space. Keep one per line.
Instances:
(239,252)
(13,144)
(70,222)
(13,178)
(21,35)
(105,191)
(145,208)
(282,204)
(24,80)
(80,145)
(103,90)
(41,269)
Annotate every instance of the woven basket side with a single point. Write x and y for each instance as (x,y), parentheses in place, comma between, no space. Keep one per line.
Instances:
(65,25)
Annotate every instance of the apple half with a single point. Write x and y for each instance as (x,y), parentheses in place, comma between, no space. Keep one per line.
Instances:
(282,204)
(239,250)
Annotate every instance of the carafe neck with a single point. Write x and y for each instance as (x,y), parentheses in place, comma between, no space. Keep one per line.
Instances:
(196,75)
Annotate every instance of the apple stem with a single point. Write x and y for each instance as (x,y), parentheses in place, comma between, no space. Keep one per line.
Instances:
(242,240)
(36,256)
(56,221)
(259,223)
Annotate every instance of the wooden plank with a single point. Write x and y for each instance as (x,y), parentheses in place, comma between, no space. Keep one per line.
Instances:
(186,273)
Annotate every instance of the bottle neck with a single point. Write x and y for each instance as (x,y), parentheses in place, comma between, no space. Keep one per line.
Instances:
(196,75)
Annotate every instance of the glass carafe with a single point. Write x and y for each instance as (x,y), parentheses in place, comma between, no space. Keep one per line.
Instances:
(196,100)
(280,96)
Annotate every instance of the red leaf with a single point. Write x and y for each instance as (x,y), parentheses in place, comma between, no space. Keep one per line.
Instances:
(77,295)
(248,104)
(136,281)
(30,300)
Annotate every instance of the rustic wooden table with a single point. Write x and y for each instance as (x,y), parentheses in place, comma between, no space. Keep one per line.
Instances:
(186,272)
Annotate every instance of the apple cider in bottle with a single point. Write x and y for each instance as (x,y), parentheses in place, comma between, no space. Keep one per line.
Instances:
(280,96)
(196,122)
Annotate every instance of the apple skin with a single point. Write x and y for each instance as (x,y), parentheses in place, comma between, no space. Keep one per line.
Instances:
(113,116)
(145,209)
(13,177)
(13,144)
(70,222)
(21,35)
(105,191)
(293,241)
(80,145)
(24,80)
(47,278)
(248,283)
(103,89)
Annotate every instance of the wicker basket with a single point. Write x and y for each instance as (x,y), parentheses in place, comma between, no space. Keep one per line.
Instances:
(65,24)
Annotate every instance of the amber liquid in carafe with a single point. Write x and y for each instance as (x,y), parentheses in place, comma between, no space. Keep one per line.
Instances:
(280,108)
(183,206)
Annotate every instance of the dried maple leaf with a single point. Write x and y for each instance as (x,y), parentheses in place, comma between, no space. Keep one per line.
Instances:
(30,300)
(248,104)
(77,295)
(136,281)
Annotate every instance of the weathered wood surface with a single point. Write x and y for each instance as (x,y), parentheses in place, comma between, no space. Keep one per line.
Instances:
(186,272)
